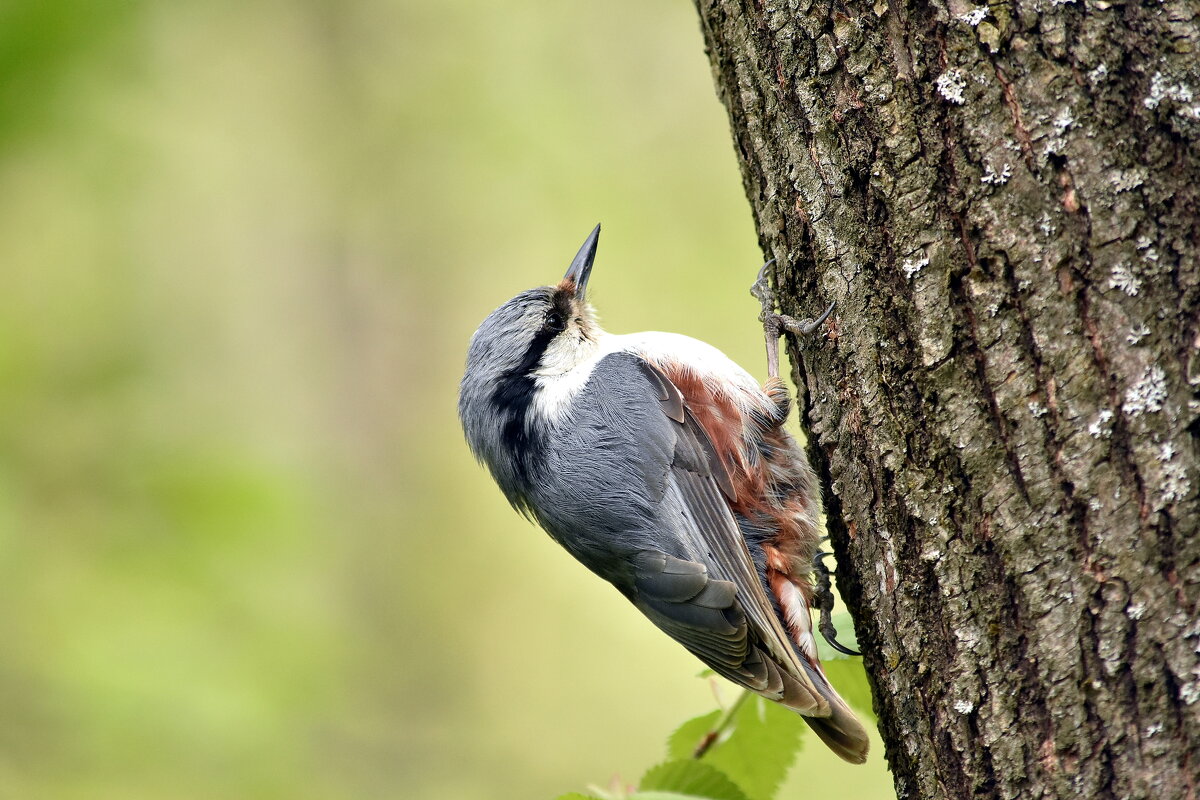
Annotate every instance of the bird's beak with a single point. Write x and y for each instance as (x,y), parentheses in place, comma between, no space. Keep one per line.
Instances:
(581,267)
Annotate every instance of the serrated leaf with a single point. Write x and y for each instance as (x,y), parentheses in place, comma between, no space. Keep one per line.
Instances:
(758,751)
(692,778)
(683,742)
(844,624)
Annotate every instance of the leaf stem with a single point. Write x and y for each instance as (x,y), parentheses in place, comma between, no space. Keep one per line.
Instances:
(724,722)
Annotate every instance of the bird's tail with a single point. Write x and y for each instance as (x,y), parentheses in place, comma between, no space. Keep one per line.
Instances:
(842,732)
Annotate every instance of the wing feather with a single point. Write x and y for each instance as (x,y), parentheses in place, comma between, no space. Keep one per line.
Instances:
(753,649)
(649,509)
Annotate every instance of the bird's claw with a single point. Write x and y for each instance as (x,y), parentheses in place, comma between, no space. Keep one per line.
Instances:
(823,599)
(805,326)
(761,290)
(774,325)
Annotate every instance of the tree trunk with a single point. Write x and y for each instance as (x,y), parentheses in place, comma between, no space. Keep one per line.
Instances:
(1003,201)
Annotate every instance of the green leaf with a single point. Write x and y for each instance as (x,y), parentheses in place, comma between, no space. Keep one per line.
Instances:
(755,753)
(575,796)
(664,796)
(691,778)
(849,678)
(683,742)
(845,634)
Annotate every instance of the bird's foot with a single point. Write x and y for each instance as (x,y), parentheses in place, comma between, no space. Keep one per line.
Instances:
(823,599)
(775,325)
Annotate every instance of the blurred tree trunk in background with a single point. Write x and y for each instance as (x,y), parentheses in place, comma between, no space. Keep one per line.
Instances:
(1004,201)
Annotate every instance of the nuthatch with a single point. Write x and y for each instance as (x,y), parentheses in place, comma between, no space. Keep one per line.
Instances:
(665,469)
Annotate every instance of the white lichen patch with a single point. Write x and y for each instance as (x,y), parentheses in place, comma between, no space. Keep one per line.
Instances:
(1100,427)
(1166,451)
(1099,73)
(1175,483)
(1124,180)
(1148,394)
(1153,729)
(1163,88)
(964,706)
(1189,112)
(997,178)
(1189,693)
(968,639)
(1046,225)
(887,572)
(975,16)
(1123,278)
(1135,610)
(950,85)
(1064,120)
(914,265)
(1037,409)
(1150,264)
(1136,334)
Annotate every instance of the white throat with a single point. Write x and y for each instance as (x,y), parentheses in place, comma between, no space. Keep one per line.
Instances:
(565,369)
(569,362)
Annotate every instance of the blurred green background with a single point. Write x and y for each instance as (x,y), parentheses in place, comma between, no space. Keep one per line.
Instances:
(244,551)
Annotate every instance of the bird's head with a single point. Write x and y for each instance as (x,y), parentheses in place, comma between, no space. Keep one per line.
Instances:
(540,333)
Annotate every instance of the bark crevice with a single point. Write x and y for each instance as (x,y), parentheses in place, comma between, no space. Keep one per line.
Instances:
(1002,200)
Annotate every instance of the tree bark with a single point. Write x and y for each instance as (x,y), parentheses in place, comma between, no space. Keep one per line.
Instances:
(1004,201)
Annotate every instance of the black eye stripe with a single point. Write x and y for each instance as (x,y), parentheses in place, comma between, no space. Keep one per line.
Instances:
(514,391)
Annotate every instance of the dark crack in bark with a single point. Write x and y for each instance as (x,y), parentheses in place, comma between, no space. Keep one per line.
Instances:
(1002,199)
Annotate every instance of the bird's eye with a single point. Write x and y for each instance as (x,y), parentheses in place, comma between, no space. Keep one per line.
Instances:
(555,321)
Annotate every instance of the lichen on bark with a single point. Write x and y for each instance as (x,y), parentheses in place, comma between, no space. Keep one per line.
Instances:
(1004,201)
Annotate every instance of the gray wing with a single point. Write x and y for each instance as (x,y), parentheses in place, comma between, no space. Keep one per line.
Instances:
(709,535)
(654,503)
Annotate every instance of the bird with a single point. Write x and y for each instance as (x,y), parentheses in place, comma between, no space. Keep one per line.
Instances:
(664,468)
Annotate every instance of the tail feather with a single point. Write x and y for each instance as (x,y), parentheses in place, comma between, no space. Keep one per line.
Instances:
(842,732)
(841,729)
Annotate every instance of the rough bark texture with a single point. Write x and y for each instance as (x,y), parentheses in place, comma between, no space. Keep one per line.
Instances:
(1003,200)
